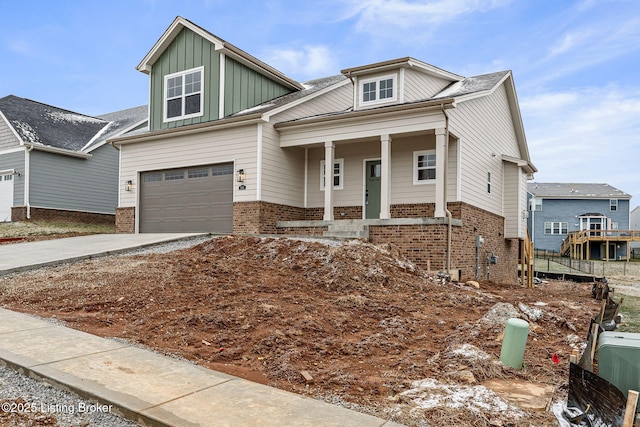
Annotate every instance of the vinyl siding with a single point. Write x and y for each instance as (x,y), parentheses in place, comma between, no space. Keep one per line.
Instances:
(246,88)
(226,145)
(403,190)
(515,205)
(15,160)
(282,171)
(61,182)
(419,86)
(568,210)
(338,99)
(485,129)
(7,138)
(187,51)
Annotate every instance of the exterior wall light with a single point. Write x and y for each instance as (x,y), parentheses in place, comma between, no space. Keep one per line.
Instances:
(129,186)
(240,176)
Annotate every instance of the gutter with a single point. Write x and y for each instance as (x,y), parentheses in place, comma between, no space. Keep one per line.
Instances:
(55,150)
(190,129)
(380,111)
(27,176)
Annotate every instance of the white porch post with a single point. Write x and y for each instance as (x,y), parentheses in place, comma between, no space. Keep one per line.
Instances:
(441,161)
(385,177)
(329,148)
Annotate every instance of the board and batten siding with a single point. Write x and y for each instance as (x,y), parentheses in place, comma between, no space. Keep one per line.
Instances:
(15,160)
(282,170)
(7,137)
(188,50)
(419,86)
(245,88)
(236,145)
(69,183)
(339,99)
(485,129)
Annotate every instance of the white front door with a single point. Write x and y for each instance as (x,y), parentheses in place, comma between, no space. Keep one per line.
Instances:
(6,197)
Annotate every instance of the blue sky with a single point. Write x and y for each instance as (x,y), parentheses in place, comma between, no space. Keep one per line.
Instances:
(576,63)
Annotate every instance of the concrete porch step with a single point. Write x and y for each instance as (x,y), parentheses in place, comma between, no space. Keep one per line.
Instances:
(347,231)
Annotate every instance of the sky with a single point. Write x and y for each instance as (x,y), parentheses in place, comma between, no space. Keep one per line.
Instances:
(576,63)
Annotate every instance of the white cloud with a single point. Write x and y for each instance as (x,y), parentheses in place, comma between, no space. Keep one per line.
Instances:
(306,62)
(586,135)
(373,15)
(22,47)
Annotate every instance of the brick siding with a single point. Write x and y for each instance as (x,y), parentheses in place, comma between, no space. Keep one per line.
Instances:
(19,213)
(126,220)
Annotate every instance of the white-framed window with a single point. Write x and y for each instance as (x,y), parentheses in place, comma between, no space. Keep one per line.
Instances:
(378,89)
(183,94)
(338,172)
(613,205)
(424,167)
(537,204)
(614,225)
(552,227)
(489,182)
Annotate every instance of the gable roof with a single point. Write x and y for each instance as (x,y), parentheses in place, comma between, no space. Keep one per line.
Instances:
(47,127)
(179,23)
(406,62)
(555,190)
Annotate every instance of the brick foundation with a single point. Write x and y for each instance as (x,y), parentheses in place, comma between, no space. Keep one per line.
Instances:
(126,220)
(19,213)
(261,217)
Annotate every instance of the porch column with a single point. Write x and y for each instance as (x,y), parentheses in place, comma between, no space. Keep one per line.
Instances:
(385,177)
(329,148)
(441,162)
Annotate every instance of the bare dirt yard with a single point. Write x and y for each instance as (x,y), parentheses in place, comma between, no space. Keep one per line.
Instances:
(375,333)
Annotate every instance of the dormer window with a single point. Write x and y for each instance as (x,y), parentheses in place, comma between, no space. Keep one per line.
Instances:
(183,94)
(378,90)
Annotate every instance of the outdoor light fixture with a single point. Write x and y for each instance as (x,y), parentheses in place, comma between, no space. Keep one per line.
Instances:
(241,175)
(128,185)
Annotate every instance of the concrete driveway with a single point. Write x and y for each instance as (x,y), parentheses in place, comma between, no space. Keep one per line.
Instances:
(25,256)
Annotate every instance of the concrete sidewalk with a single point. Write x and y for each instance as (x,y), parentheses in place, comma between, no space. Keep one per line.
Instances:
(25,256)
(152,389)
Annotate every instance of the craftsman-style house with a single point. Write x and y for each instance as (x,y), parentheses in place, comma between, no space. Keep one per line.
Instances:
(398,152)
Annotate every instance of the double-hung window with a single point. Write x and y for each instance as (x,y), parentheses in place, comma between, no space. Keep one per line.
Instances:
(424,167)
(552,227)
(338,170)
(613,205)
(183,94)
(378,90)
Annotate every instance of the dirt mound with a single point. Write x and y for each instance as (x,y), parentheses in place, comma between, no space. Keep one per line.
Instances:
(362,321)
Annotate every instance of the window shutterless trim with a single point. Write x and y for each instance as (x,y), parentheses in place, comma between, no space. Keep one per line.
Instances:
(182,95)
(417,169)
(377,87)
(340,174)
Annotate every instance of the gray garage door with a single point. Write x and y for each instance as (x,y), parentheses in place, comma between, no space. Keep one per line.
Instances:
(196,199)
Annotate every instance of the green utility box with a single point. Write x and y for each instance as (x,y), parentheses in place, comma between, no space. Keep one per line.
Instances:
(619,360)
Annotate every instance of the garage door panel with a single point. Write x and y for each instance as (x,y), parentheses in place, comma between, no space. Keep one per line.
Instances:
(201,201)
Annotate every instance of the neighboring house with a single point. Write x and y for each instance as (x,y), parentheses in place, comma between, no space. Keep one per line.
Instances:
(55,164)
(634,218)
(415,155)
(559,209)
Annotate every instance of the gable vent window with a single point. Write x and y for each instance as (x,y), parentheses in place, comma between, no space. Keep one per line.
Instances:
(183,95)
(378,90)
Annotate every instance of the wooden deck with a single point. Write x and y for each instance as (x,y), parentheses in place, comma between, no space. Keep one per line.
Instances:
(577,245)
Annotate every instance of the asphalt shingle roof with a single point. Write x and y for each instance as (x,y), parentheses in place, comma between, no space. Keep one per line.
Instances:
(42,124)
(575,190)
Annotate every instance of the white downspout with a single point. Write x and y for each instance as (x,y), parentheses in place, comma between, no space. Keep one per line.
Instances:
(27,175)
(446,209)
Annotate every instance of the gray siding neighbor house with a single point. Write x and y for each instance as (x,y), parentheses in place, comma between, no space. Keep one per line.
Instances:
(56,164)
(398,151)
(561,210)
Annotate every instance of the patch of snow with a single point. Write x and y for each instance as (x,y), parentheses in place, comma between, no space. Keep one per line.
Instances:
(308,86)
(256,108)
(25,130)
(500,313)
(470,352)
(430,393)
(532,313)
(62,116)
